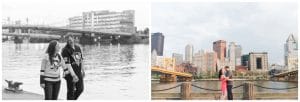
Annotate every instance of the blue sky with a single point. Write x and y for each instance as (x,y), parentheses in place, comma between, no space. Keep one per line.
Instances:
(255,26)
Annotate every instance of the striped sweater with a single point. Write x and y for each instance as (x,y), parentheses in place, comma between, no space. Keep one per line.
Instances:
(51,72)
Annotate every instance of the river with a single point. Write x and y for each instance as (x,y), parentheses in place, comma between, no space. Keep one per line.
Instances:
(112,71)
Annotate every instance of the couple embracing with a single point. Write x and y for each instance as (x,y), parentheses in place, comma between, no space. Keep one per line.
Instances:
(225,76)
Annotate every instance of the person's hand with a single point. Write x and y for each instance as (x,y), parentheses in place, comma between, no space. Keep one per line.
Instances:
(83,74)
(42,85)
(65,73)
(75,78)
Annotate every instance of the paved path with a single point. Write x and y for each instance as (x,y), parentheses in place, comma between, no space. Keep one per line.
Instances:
(24,95)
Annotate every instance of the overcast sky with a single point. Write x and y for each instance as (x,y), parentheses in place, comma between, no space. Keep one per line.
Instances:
(255,26)
(56,12)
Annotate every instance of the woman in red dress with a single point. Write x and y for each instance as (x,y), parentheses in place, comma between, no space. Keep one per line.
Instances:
(223,83)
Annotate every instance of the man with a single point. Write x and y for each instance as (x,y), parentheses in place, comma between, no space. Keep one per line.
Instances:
(228,75)
(72,54)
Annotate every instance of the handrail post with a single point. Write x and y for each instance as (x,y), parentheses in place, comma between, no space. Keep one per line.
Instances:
(248,91)
(186,91)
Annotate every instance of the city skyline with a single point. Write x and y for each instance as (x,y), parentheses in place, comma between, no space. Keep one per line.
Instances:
(201,24)
(56,12)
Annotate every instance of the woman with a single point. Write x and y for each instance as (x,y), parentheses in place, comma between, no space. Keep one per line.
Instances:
(50,72)
(223,80)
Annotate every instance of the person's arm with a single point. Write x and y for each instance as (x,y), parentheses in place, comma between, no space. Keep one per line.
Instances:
(223,77)
(68,70)
(229,76)
(82,69)
(82,64)
(42,73)
(68,66)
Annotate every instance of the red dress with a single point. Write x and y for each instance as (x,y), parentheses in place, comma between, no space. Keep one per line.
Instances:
(223,85)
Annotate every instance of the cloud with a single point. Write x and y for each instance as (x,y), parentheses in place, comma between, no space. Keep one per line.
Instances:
(255,26)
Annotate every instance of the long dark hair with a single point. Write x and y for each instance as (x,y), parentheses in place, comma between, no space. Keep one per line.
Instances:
(51,50)
(220,73)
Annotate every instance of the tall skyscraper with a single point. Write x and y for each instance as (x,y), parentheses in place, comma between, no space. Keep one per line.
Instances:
(234,54)
(291,53)
(157,43)
(231,53)
(153,58)
(220,48)
(178,58)
(189,53)
(238,55)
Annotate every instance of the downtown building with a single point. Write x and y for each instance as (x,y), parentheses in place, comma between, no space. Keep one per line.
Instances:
(291,53)
(189,53)
(157,43)
(178,58)
(106,21)
(258,61)
(234,55)
(205,62)
(220,48)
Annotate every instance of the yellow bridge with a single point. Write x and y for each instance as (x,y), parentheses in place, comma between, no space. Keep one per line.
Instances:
(171,75)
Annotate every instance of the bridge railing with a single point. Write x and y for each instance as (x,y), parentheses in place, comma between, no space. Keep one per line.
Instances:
(248,90)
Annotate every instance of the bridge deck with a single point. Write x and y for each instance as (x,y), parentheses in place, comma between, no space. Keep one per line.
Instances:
(65,29)
(286,73)
(157,69)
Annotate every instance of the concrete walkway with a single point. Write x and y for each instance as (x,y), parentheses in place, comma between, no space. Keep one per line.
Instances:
(24,95)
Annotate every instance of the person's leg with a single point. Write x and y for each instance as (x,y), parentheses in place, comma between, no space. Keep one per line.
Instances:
(79,88)
(70,87)
(229,90)
(48,90)
(56,88)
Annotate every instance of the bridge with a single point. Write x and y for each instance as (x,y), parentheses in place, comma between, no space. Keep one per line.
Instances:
(286,76)
(171,75)
(59,32)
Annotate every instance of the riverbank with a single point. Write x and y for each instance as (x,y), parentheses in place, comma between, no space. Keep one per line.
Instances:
(23,95)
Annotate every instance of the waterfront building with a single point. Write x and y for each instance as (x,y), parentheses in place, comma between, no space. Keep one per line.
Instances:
(205,62)
(178,58)
(220,48)
(189,53)
(105,20)
(153,58)
(157,43)
(238,55)
(291,53)
(258,61)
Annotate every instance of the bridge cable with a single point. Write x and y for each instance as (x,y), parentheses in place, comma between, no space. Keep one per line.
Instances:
(214,89)
(238,86)
(204,88)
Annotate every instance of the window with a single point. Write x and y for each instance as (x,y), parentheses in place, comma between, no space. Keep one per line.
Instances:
(258,63)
